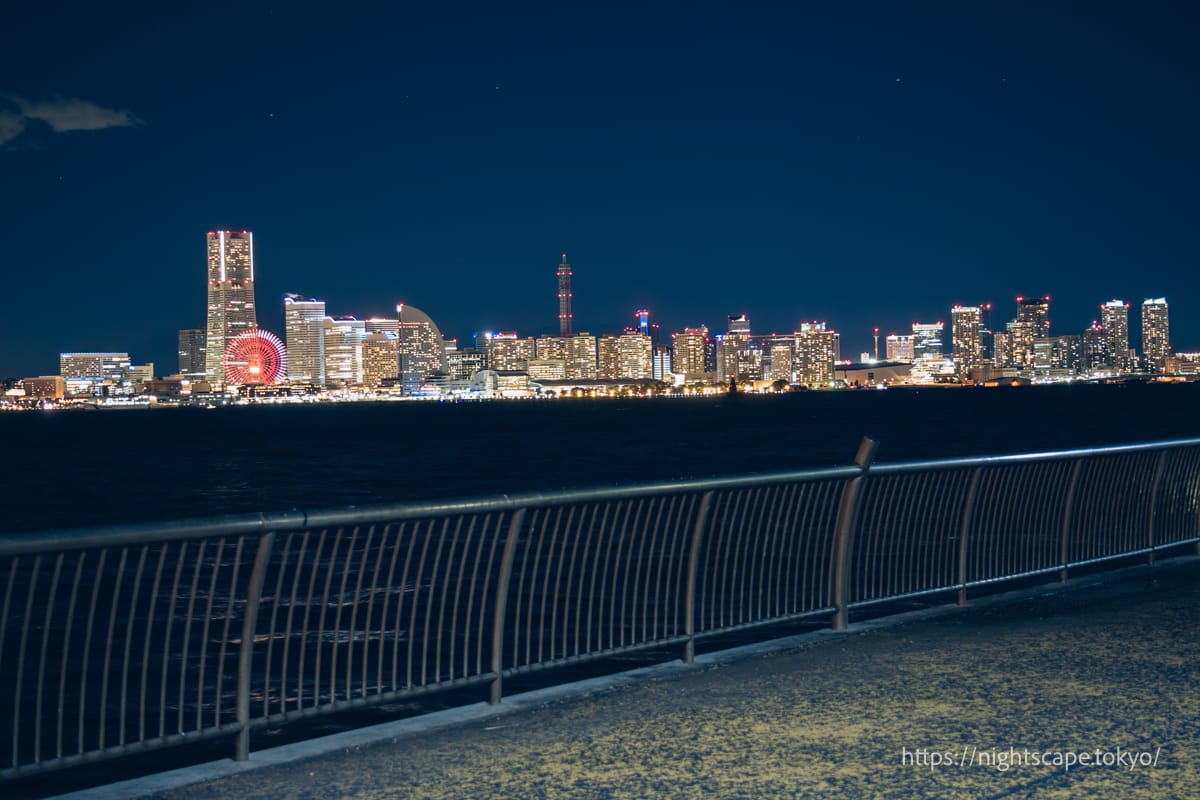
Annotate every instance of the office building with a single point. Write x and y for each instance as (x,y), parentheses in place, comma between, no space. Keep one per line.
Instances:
(509,353)
(304,331)
(230,296)
(95,367)
(1156,334)
(344,351)
(1036,312)
(927,340)
(635,356)
(662,362)
(192,346)
(608,358)
(462,364)
(1114,321)
(551,348)
(564,298)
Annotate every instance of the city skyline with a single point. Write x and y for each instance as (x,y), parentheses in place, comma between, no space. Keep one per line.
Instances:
(865,166)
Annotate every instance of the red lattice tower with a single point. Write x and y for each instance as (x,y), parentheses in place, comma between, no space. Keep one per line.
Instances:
(255,356)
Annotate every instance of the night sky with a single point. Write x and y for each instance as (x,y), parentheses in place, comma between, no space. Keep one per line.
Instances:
(867,164)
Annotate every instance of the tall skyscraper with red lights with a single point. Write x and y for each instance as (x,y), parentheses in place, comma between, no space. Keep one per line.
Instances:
(230,296)
(564,297)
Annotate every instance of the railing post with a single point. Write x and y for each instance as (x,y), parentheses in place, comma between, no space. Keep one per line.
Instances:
(847,514)
(963,532)
(1158,473)
(246,654)
(1064,553)
(698,530)
(506,562)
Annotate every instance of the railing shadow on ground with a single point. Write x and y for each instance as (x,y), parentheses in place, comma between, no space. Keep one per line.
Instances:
(125,640)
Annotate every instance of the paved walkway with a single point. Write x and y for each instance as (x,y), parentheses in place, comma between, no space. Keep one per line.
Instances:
(1092,669)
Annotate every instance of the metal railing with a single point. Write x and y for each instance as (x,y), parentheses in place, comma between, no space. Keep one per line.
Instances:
(120,640)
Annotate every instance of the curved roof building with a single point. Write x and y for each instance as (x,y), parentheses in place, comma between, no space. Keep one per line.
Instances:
(421,350)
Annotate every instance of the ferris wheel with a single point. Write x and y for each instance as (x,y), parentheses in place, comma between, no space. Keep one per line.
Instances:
(255,356)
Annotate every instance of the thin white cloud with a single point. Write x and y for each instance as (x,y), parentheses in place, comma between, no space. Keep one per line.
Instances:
(62,114)
(11,126)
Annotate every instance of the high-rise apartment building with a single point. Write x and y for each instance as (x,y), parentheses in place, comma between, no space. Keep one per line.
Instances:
(927,340)
(304,330)
(580,357)
(635,356)
(778,356)
(230,296)
(192,346)
(608,358)
(422,352)
(662,362)
(815,352)
(736,355)
(1156,333)
(688,356)
(1114,321)
(1035,311)
(509,353)
(564,298)
(966,336)
(1095,349)
(552,348)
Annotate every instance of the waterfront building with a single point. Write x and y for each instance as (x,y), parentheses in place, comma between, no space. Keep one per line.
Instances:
(421,349)
(546,369)
(1094,355)
(192,345)
(635,356)
(381,358)
(688,354)
(1021,335)
(95,367)
(564,298)
(1156,333)
(304,332)
(815,353)
(1057,356)
(899,348)
(662,362)
(927,340)
(579,357)
(462,364)
(383,325)
(509,353)
(737,354)
(1002,349)
(230,296)
(45,387)
(966,337)
(551,347)
(778,356)
(608,358)
(344,351)
(1114,321)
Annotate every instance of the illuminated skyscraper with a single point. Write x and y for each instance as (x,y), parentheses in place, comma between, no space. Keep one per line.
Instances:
(381,358)
(344,351)
(635,356)
(304,330)
(927,340)
(814,354)
(608,358)
(192,345)
(422,352)
(509,353)
(564,297)
(966,336)
(1156,333)
(688,353)
(1095,349)
(1114,321)
(1036,311)
(230,295)
(580,357)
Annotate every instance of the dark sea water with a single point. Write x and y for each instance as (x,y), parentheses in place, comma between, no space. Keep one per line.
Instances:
(75,468)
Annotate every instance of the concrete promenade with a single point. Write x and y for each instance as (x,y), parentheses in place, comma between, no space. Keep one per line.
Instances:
(1052,673)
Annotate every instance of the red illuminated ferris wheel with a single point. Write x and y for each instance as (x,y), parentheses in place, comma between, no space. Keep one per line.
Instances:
(255,356)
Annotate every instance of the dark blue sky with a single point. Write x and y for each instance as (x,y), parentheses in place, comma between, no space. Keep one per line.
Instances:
(861,163)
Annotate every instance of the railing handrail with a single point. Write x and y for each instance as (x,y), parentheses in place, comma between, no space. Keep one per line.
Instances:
(59,539)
